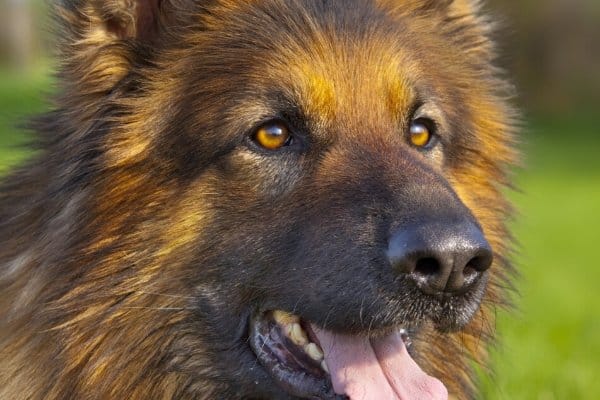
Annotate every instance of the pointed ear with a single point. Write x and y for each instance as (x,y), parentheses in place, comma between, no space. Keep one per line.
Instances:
(455,7)
(98,38)
(449,12)
(467,15)
(130,18)
(461,8)
(452,16)
(115,19)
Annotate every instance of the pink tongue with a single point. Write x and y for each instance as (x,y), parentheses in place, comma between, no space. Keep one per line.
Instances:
(376,369)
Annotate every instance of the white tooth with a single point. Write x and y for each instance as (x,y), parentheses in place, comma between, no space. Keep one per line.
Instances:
(324,366)
(314,351)
(297,334)
(285,318)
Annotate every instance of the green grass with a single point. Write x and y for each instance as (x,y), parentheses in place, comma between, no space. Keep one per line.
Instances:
(551,347)
(20,96)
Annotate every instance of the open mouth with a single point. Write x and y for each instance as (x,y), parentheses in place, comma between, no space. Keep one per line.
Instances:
(311,363)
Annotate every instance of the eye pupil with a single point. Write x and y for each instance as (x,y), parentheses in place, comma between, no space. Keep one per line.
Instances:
(273,136)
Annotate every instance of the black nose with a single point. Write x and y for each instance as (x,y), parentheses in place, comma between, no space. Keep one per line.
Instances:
(441,257)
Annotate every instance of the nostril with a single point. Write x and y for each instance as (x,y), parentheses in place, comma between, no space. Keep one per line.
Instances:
(428,267)
(479,263)
(474,268)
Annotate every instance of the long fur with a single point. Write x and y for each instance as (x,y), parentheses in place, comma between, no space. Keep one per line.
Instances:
(111,233)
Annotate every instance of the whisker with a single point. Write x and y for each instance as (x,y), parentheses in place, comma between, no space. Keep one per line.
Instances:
(297,303)
(331,310)
(360,312)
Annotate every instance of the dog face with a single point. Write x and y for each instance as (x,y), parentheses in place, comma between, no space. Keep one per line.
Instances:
(307,183)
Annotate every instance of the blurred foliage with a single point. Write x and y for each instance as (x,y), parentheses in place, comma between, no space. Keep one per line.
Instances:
(549,345)
(24,33)
(552,48)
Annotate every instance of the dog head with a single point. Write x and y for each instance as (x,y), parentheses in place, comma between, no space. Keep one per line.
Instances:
(292,172)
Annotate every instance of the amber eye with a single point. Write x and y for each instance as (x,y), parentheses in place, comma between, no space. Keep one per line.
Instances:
(421,133)
(273,135)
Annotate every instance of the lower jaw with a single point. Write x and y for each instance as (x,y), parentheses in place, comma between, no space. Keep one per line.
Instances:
(279,344)
(289,351)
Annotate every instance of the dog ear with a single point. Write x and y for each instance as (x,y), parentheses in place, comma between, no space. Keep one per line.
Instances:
(452,8)
(445,8)
(99,40)
(457,7)
(464,7)
(449,17)
(110,19)
(467,15)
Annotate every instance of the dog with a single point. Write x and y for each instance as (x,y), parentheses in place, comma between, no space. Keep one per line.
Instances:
(263,199)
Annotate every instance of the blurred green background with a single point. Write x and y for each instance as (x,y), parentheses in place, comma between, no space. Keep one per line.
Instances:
(551,344)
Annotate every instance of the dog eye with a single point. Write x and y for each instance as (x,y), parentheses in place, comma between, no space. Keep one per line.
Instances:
(421,133)
(273,135)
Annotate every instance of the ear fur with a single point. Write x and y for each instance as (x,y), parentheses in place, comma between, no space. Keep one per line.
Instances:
(97,38)
(466,15)
(117,19)
(451,8)
(449,18)
(129,18)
